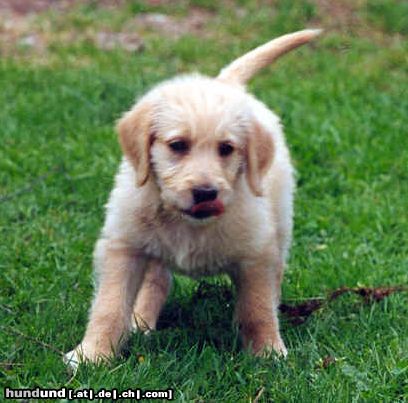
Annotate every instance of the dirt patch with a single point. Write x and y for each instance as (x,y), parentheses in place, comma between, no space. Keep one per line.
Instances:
(194,23)
(350,17)
(25,7)
(337,14)
(24,34)
(111,40)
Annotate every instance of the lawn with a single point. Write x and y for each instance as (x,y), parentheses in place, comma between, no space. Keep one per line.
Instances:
(344,105)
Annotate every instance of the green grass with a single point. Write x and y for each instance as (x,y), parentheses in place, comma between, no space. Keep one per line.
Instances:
(344,105)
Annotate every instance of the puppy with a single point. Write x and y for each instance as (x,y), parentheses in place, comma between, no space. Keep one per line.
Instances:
(205,187)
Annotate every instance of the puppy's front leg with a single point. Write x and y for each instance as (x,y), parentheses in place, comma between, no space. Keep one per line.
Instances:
(151,296)
(258,289)
(120,272)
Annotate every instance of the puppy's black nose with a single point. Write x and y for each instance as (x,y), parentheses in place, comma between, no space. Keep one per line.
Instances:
(204,193)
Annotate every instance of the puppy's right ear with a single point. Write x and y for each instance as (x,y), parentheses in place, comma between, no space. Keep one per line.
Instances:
(135,137)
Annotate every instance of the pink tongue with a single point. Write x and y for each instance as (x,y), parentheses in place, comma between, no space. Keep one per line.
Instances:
(216,207)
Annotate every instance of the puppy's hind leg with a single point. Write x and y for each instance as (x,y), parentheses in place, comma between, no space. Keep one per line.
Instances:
(120,272)
(151,296)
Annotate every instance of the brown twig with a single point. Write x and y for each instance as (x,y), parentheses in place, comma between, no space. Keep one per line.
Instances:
(10,365)
(299,313)
(6,308)
(258,394)
(368,293)
(31,185)
(41,343)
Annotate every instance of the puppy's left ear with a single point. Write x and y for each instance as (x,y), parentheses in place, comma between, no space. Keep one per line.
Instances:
(260,152)
(135,137)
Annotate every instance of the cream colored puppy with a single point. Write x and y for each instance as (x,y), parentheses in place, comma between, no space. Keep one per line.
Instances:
(205,187)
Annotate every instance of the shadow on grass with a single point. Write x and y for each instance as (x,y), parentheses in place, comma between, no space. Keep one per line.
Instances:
(205,318)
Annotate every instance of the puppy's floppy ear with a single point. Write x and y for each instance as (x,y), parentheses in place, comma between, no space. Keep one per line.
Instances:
(260,151)
(135,137)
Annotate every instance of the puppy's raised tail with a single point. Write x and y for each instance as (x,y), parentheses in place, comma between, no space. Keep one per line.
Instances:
(246,66)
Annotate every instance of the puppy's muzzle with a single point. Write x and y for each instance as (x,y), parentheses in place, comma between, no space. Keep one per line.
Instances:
(206,204)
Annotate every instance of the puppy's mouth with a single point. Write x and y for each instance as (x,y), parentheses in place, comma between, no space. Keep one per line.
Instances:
(205,209)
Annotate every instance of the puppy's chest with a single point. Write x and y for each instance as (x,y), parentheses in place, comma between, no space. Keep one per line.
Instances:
(193,254)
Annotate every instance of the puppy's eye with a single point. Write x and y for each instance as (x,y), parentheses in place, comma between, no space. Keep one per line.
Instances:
(179,146)
(225,149)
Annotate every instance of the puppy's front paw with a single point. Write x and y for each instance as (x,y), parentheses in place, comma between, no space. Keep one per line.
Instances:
(83,354)
(72,359)
(277,346)
(139,324)
(262,339)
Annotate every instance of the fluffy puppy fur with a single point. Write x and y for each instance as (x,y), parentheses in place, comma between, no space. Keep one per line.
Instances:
(205,187)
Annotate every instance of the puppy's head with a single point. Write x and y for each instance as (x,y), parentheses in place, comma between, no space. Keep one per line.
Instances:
(195,137)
